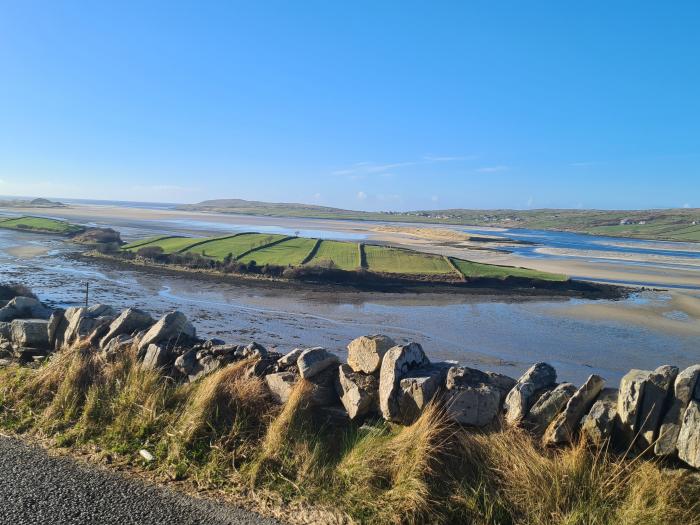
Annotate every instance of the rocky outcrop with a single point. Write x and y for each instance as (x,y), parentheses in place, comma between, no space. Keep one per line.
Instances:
(128,322)
(313,361)
(365,353)
(599,423)
(173,328)
(473,397)
(524,394)
(686,383)
(358,392)
(656,398)
(23,308)
(30,333)
(397,362)
(82,322)
(547,407)
(563,428)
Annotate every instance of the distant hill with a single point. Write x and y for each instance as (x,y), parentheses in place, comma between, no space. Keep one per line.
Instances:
(31,203)
(677,224)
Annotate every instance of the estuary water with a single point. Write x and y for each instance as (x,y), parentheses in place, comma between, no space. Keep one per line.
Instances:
(500,333)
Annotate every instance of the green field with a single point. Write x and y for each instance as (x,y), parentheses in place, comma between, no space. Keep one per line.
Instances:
(395,260)
(280,250)
(287,253)
(473,269)
(40,224)
(343,255)
(237,245)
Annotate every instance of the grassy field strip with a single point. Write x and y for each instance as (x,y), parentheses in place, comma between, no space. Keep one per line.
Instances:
(288,252)
(238,246)
(396,260)
(210,239)
(174,244)
(343,255)
(39,224)
(147,241)
(312,252)
(478,270)
(456,270)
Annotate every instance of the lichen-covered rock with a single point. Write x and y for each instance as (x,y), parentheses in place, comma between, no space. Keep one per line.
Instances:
(538,377)
(31,333)
(629,402)
(313,361)
(689,435)
(397,362)
(656,396)
(172,328)
(156,358)
(365,353)
(23,308)
(289,359)
(563,428)
(82,322)
(599,423)
(417,388)
(129,321)
(281,385)
(476,405)
(358,392)
(683,388)
(548,407)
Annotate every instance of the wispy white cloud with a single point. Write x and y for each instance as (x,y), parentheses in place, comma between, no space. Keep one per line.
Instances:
(437,158)
(360,170)
(434,198)
(316,196)
(492,169)
(361,195)
(686,205)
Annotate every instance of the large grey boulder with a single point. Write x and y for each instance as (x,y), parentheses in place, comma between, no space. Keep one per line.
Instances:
(629,404)
(365,353)
(563,428)
(537,378)
(280,385)
(116,346)
(23,308)
(599,423)
(289,359)
(323,388)
(416,389)
(56,320)
(684,385)
(313,361)
(156,358)
(473,397)
(173,327)
(397,362)
(359,393)
(656,398)
(548,407)
(31,333)
(129,321)
(689,435)
(82,322)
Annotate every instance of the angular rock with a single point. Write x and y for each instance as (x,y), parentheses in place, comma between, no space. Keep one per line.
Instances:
(599,423)
(156,357)
(117,345)
(289,359)
(689,436)
(23,308)
(397,362)
(524,394)
(477,405)
(32,333)
(55,321)
(187,363)
(365,353)
(656,397)
(82,322)
(173,327)
(5,331)
(629,402)
(281,385)
(563,428)
(313,361)
(129,321)
(358,392)
(683,387)
(417,388)
(548,407)
(323,391)
(205,366)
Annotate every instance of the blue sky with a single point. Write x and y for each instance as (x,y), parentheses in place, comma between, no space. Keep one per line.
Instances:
(364,105)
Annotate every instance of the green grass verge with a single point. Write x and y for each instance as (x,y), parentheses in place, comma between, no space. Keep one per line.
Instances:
(40,224)
(343,255)
(148,240)
(220,248)
(169,244)
(396,260)
(474,270)
(287,253)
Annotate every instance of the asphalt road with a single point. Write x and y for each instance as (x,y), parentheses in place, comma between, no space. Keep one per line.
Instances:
(38,489)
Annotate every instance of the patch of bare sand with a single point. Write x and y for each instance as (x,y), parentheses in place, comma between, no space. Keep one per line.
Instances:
(656,314)
(27,251)
(438,234)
